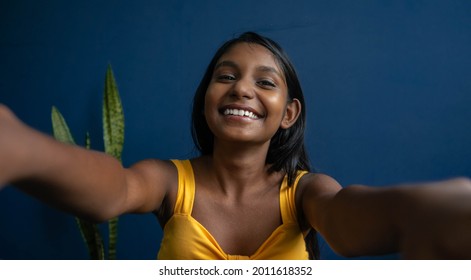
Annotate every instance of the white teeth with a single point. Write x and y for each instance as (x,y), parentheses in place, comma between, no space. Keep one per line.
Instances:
(242,113)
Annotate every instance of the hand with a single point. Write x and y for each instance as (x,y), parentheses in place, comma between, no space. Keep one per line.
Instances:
(438,222)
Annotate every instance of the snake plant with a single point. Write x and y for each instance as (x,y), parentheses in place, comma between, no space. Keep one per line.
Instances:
(113,136)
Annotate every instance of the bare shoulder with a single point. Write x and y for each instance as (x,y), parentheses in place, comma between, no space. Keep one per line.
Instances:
(314,192)
(317,184)
(149,182)
(155,168)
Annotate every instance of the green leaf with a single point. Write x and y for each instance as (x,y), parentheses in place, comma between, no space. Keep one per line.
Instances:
(113,136)
(60,129)
(113,238)
(113,117)
(92,237)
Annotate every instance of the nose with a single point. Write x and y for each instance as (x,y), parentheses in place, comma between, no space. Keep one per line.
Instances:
(243,89)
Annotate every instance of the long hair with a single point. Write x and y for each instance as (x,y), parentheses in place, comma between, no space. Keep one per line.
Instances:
(286,151)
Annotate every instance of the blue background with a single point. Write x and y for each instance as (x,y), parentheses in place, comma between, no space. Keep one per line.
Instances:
(387,84)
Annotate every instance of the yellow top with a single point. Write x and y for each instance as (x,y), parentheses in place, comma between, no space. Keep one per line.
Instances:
(186,239)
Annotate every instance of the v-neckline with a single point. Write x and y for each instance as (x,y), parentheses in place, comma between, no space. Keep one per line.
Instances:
(234,256)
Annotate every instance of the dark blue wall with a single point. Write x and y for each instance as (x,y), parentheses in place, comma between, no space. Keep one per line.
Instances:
(387,83)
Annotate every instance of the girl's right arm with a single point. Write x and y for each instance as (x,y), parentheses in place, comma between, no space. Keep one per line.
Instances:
(86,183)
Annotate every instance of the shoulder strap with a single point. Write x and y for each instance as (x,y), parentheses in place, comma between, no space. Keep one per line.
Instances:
(288,199)
(186,187)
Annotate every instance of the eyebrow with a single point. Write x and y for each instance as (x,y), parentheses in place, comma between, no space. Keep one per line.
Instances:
(228,63)
(262,68)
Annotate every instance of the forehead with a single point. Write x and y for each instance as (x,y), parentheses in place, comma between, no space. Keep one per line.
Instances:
(251,53)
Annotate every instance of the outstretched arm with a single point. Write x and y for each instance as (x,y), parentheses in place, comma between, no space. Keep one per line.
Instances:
(86,183)
(423,221)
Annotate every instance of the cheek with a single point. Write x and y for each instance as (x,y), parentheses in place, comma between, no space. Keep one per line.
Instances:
(210,109)
(276,104)
(208,102)
(213,96)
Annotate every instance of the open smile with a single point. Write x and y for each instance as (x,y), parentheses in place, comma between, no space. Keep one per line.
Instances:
(240,112)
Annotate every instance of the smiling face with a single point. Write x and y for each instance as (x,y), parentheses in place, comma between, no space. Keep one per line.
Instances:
(247,98)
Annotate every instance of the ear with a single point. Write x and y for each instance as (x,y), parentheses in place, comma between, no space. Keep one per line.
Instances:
(293,110)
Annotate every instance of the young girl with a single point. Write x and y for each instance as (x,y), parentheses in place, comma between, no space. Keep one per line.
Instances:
(250,195)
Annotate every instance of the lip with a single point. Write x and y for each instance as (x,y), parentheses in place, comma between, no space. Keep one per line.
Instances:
(241,107)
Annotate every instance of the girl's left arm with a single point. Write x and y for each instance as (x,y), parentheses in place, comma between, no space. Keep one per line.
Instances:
(421,221)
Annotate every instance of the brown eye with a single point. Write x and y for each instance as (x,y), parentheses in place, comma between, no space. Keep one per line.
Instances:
(267,84)
(225,77)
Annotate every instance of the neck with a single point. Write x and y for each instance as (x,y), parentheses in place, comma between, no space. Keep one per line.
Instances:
(240,169)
